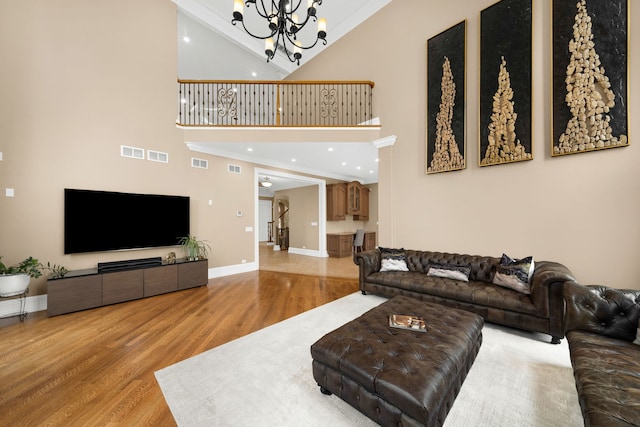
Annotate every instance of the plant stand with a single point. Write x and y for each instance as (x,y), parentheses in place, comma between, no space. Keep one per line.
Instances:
(22,296)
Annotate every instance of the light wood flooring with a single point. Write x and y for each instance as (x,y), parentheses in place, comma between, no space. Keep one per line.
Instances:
(96,367)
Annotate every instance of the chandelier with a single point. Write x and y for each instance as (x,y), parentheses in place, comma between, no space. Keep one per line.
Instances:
(284,25)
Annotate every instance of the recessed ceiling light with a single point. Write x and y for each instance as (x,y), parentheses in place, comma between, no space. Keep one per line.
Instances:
(293,160)
(377,160)
(254,74)
(249,149)
(186,39)
(330,148)
(370,171)
(358,167)
(344,163)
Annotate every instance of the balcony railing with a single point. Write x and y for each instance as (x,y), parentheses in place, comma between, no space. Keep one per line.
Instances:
(274,103)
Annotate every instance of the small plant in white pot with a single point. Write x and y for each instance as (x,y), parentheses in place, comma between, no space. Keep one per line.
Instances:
(14,279)
(194,249)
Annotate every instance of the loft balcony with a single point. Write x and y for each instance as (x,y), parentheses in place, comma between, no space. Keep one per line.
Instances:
(226,118)
(226,103)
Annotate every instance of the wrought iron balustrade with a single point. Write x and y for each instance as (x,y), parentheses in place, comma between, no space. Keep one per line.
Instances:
(274,103)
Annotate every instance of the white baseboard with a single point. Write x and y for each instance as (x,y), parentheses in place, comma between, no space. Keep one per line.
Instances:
(308,252)
(11,307)
(228,270)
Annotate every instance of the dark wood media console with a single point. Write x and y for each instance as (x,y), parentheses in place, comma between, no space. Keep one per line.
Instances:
(84,289)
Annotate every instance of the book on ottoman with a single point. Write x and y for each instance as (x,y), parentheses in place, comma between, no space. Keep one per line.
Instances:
(402,321)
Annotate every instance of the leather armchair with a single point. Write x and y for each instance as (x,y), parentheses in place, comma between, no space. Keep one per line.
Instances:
(600,325)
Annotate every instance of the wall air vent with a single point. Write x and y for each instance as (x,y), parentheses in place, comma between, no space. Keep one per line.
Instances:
(199,163)
(131,152)
(234,169)
(157,156)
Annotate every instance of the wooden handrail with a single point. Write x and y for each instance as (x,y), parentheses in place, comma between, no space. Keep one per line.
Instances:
(283,82)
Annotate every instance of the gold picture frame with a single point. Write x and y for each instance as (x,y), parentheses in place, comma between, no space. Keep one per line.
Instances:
(589,76)
(446,116)
(506,84)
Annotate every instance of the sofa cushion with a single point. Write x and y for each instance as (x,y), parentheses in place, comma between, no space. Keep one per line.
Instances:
(515,273)
(450,271)
(607,379)
(637,340)
(392,260)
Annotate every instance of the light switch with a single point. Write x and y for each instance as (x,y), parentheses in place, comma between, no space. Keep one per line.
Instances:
(9,192)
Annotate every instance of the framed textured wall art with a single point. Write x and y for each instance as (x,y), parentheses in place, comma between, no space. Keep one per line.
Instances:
(590,75)
(505,83)
(445,100)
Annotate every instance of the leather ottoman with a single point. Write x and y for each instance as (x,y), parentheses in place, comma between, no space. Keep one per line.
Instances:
(395,376)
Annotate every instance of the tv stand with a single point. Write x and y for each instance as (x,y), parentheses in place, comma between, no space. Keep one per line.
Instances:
(91,288)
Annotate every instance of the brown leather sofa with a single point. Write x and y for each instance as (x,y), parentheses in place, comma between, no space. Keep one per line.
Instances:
(540,311)
(601,324)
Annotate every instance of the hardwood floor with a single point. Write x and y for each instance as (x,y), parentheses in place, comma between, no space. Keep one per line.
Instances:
(96,367)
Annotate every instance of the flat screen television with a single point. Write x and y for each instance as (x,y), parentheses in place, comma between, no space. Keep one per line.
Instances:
(97,221)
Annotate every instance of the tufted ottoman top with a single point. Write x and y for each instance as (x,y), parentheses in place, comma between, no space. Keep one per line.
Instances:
(414,371)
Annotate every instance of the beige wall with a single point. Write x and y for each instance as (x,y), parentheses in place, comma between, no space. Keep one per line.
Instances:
(581,210)
(79,79)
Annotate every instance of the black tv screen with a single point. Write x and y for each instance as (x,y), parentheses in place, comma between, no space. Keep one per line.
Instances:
(96,221)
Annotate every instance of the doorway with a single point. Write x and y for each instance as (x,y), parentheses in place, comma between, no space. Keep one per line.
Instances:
(294,180)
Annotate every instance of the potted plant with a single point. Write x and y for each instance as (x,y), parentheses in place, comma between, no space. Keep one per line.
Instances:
(14,279)
(194,249)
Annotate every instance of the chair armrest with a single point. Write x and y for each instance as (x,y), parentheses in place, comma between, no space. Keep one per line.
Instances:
(546,277)
(368,262)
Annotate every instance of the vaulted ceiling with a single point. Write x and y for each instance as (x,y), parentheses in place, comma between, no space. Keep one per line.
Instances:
(211,48)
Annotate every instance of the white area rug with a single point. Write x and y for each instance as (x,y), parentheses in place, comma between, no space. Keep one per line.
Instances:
(265,379)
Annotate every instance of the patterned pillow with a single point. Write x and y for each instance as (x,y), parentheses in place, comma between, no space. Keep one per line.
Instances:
(393,260)
(450,271)
(515,273)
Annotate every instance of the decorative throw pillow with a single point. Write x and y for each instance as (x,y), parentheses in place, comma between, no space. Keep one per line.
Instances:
(515,273)
(393,260)
(450,271)
(637,340)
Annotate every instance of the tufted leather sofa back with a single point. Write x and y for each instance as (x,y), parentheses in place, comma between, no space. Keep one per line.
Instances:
(482,268)
(602,310)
